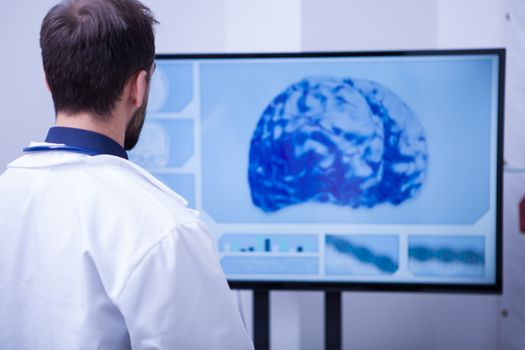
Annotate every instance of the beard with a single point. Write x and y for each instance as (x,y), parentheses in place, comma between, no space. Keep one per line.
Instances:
(135,126)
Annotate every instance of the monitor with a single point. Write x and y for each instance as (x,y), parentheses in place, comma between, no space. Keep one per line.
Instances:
(348,170)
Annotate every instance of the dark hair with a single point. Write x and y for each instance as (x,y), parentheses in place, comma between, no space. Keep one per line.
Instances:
(90,48)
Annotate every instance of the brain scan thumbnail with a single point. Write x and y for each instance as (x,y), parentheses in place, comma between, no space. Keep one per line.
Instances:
(348,142)
(154,146)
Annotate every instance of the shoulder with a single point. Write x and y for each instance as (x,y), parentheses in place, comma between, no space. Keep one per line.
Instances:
(114,200)
(126,211)
(104,208)
(107,195)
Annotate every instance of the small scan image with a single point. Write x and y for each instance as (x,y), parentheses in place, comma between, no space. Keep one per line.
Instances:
(153,150)
(171,88)
(164,143)
(361,255)
(448,256)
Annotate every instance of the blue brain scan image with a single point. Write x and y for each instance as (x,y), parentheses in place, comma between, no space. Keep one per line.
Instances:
(348,142)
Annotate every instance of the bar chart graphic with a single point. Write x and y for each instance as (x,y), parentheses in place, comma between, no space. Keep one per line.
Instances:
(272,254)
(273,243)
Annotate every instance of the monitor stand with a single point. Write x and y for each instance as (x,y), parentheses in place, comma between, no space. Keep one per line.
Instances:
(332,320)
(261,319)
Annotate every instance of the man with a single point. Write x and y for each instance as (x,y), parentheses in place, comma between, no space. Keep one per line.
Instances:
(95,253)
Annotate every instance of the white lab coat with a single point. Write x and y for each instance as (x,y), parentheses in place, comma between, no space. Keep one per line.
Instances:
(95,253)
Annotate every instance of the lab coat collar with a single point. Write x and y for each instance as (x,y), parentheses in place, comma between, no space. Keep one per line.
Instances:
(95,142)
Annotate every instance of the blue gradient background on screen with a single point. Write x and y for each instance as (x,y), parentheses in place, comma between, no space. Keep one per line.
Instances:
(451,97)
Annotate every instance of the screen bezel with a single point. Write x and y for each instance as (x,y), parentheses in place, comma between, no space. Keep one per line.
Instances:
(496,287)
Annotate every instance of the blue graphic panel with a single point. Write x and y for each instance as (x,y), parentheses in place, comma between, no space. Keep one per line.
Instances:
(239,265)
(164,143)
(447,256)
(276,243)
(380,142)
(171,87)
(183,184)
(342,141)
(361,255)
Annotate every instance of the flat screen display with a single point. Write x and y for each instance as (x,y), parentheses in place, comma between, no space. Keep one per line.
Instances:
(378,170)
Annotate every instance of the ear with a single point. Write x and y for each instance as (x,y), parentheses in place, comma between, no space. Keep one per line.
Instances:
(138,86)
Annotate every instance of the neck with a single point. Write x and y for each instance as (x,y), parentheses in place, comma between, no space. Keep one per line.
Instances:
(111,128)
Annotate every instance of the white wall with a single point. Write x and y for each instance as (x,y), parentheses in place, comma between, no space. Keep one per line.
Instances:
(512,302)
(371,320)
(515,113)
(512,325)
(26,105)
(361,25)
(470,23)
(190,26)
(263,25)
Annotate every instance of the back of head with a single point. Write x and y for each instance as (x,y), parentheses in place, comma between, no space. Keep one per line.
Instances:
(90,48)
